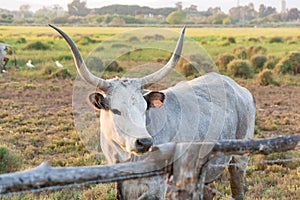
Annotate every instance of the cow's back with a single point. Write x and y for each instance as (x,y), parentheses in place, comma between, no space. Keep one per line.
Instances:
(209,108)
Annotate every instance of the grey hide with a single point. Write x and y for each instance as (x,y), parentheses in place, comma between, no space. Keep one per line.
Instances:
(208,108)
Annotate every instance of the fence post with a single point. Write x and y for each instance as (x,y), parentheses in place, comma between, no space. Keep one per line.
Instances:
(188,171)
(188,162)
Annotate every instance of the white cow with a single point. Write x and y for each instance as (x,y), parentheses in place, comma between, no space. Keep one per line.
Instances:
(209,108)
(3,58)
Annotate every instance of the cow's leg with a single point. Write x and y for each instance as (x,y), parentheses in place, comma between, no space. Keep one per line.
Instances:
(207,193)
(119,195)
(153,188)
(237,176)
(5,61)
(157,188)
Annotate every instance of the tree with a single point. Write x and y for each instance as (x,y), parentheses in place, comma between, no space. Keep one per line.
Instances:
(78,8)
(215,10)
(50,12)
(292,14)
(25,10)
(226,21)
(6,18)
(175,17)
(179,5)
(117,20)
(270,10)
(191,9)
(243,12)
(216,18)
(264,11)
(261,10)
(236,12)
(132,10)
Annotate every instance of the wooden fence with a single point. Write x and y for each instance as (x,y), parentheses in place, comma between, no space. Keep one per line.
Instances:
(46,176)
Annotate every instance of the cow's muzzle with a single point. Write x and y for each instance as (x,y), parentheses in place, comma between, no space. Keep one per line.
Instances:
(143,145)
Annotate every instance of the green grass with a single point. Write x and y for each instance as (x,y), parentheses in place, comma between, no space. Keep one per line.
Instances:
(212,37)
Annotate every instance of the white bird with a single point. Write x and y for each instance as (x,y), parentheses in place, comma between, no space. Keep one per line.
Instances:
(29,64)
(58,64)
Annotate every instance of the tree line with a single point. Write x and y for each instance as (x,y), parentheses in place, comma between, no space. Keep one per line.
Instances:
(78,12)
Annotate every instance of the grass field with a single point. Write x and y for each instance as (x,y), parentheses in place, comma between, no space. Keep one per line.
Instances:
(208,38)
(36,117)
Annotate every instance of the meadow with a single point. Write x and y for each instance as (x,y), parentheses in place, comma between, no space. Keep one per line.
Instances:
(37,116)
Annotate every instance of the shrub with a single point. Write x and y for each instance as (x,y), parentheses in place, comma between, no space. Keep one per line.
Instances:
(100,19)
(114,67)
(224,43)
(240,68)
(257,61)
(262,38)
(265,77)
(21,40)
(240,52)
(61,73)
(290,64)
(117,20)
(120,45)
(9,161)
(252,39)
(276,39)
(19,21)
(175,17)
(133,39)
(222,61)
(159,37)
(226,21)
(154,37)
(36,46)
(47,71)
(202,63)
(94,63)
(292,40)
(54,72)
(148,37)
(187,69)
(60,20)
(256,50)
(231,39)
(65,57)
(194,57)
(132,20)
(271,62)
(85,40)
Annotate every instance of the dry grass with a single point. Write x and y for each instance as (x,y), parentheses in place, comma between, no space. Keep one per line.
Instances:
(36,119)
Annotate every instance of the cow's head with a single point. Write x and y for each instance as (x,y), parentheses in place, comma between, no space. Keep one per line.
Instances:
(123,102)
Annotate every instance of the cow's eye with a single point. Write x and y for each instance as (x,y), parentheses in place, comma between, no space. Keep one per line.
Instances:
(116,111)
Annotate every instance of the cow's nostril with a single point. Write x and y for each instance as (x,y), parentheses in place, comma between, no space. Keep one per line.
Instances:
(143,145)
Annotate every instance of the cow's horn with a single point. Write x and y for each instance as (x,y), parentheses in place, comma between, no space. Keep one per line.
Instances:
(158,75)
(82,69)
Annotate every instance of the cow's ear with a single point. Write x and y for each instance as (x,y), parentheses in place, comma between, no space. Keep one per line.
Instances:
(97,101)
(155,99)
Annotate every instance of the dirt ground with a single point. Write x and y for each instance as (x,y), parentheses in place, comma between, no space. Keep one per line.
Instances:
(277,109)
(36,118)
(41,107)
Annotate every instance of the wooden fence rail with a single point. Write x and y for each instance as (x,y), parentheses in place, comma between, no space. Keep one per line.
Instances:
(46,176)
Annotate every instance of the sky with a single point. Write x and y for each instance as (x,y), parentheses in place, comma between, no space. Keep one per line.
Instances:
(201,4)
